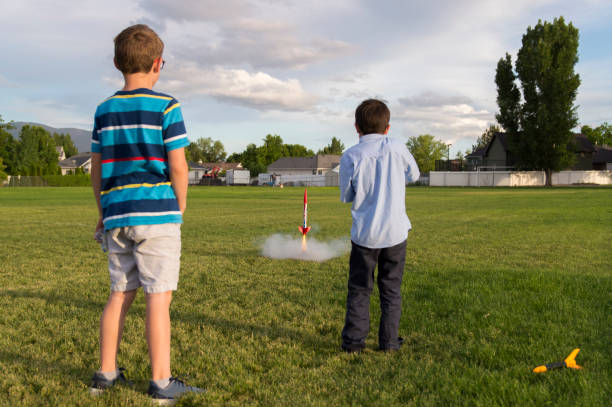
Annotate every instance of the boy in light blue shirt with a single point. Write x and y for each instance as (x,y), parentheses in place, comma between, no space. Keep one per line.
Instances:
(373,176)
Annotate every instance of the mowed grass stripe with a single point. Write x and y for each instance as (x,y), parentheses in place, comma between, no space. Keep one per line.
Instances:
(497,281)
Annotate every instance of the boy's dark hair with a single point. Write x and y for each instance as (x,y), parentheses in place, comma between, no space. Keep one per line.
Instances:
(136,48)
(372,116)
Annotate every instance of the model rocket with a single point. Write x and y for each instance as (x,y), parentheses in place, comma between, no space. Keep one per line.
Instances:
(569,362)
(304,228)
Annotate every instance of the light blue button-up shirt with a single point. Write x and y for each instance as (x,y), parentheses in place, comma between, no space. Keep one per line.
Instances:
(373,175)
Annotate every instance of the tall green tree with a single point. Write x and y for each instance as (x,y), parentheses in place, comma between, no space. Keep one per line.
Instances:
(36,154)
(600,135)
(540,128)
(65,141)
(426,150)
(8,147)
(335,147)
(297,150)
(3,175)
(256,159)
(206,150)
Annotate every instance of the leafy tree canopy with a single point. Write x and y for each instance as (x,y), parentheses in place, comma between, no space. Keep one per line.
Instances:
(8,147)
(36,154)
(600,135)
(335,147)
(205,150)
(3,175)
(257,159)
(426,150)
(65,141)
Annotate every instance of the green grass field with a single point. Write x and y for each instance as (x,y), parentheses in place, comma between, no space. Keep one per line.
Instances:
(497,282)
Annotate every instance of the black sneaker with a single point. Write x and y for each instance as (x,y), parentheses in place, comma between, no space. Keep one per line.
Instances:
(168,395)
(99,383)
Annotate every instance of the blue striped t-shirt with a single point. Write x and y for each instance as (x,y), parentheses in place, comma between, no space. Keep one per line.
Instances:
(133,132)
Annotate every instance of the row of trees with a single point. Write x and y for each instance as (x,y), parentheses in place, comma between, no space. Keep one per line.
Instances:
(255,158)
(33,153)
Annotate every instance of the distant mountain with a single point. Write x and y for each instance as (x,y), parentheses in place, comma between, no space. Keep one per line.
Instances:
(80,138)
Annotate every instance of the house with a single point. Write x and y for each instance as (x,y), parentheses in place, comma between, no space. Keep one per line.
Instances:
(585,150)
(318,165)
(496,154)
(61,155)
(70,165)
(602,158)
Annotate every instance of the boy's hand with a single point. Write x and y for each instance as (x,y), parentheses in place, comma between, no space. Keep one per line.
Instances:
(99,235)
(99,229)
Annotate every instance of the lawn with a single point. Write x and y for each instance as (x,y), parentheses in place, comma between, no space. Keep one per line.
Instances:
(497,282)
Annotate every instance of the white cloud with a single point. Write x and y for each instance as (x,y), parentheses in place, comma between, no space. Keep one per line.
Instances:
(255,90)
(444,117)
(213,33)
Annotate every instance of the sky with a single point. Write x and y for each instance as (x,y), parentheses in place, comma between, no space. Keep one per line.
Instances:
(243,69)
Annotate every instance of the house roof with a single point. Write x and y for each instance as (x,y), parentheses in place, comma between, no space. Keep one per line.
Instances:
(603,154)
(501,137)
(209,166)
(327,161)
(479,152)
(76,161)
(583,144)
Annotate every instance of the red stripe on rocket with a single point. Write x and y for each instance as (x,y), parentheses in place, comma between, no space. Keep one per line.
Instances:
(305,229)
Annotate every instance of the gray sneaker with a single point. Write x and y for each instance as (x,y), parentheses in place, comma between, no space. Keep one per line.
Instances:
(168,395)
(99,383)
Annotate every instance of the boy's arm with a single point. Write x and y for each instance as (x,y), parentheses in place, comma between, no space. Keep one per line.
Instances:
(412,172)
(179,173)
(347,193)
(96,182)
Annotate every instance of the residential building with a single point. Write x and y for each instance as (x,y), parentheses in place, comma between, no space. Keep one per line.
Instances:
(70,165)
(317,165)
(497,154)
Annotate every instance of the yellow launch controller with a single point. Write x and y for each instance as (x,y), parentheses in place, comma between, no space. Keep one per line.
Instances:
(569,362)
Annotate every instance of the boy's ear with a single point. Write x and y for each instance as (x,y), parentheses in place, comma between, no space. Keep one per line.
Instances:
(157,63)
(115,62)
(387,131)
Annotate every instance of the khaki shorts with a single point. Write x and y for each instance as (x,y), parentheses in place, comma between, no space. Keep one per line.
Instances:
(144,255)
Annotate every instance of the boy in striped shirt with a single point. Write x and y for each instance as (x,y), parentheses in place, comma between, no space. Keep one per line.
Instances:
(139,177)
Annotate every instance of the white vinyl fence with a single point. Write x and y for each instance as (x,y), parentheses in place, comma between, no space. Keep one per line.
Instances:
(516,178)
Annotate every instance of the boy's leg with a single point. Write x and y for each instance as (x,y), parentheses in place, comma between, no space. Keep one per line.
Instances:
(158,253)
(390,272)
(158,333)
(124,282)
(111,327)
(360,283)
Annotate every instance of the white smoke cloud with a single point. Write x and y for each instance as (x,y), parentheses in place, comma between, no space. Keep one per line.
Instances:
(287,247)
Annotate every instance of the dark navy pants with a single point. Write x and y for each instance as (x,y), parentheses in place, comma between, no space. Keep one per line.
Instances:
(363,261)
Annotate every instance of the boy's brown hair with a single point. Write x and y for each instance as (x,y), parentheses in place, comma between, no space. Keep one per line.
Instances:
(372,116)
(136,48)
